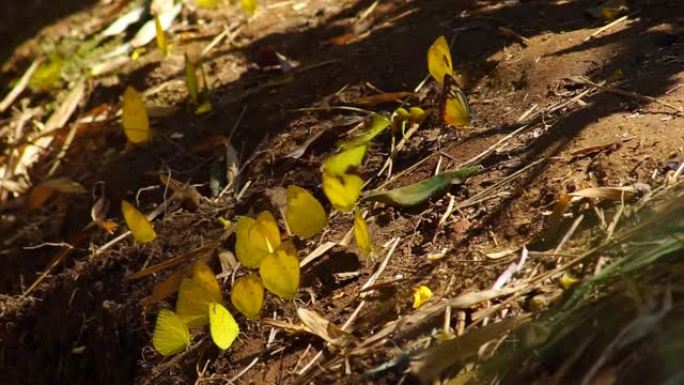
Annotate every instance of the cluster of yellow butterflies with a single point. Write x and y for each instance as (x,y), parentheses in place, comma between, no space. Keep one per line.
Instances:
(200,302)
(342,185)
(259,244)
(453,105)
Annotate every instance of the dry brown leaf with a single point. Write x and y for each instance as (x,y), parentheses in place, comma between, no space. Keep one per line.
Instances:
(345,39)
(165,288)
(431,363)
(606,193)
(197,253)
(188,193)
(317,325)
(387,97)
(44,191)
(32,152)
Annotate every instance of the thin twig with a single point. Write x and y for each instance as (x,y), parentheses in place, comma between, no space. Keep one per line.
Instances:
(583,80)
(21,86)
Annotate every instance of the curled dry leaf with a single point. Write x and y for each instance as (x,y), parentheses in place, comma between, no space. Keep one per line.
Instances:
(45,190)
(318,325)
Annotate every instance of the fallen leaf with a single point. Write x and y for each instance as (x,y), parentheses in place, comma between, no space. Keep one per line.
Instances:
(319,326)
(387,97)
(188,193)
(429,364)
(165,288)
(419,193)
(606,193)
(344,39)
(45,190)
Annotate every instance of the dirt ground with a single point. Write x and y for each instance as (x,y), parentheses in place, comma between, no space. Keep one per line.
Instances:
(541,129)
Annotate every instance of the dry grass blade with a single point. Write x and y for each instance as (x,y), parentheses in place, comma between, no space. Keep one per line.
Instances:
(20,86)
(58,119)
(192,255)
(430,364)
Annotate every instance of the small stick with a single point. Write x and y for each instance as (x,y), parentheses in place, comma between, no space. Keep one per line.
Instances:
(20,87)
(151,216)
(356,312)
(609,26)
(583,80)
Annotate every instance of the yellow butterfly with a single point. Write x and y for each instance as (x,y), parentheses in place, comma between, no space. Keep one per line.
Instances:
(140,227)
(171,334)
(421,295)
(255,238)
(361,234)
(439,59)
(248,295)
(134,118)
(248,6)
(279,271)
(344,161)
(222,326)
(305,215)
(453,104)
(342,190)
(340,185)
(196,294)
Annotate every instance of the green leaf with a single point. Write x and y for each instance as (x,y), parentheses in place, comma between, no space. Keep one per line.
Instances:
(418,193)
(375,128)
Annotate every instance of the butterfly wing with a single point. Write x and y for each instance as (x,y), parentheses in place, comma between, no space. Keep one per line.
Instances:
(342,162)
(454,108)
(439,60)
(222,326)
(134,118)
(140,227)
(193,303)
(170,335)
(342,190)
(305,215)
(361,234)
(248,295)
(280,271)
